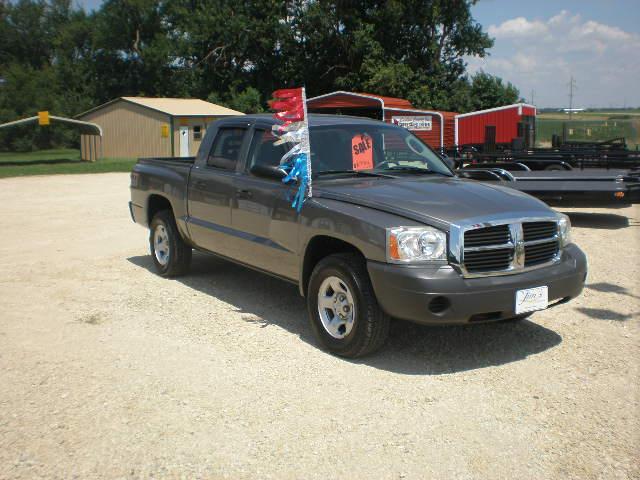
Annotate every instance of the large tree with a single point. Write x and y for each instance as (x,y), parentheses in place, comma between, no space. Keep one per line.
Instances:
(56,56)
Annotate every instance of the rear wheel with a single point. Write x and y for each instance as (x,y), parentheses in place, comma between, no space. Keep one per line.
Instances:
(343,309)
(171,255)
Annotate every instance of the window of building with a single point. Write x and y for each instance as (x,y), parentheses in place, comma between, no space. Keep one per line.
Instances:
(197,132)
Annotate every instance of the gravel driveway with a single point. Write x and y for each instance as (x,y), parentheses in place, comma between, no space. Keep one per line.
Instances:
(107,370)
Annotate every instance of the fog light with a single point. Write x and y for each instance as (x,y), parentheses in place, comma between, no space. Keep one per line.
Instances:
(439,304)
(619,194)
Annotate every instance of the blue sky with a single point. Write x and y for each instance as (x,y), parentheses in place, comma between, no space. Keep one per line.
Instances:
(539,44)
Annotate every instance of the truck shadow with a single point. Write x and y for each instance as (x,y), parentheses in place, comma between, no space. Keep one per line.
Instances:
(412,349)
(607,221)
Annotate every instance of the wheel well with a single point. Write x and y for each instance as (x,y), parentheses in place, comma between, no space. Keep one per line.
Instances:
(318,248)
(156,204)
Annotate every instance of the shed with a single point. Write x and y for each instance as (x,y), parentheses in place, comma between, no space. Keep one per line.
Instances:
(151,127)
(435,128)
(497,126)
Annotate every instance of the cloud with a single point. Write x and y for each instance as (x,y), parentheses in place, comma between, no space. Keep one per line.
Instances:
(541,55)
(518,27)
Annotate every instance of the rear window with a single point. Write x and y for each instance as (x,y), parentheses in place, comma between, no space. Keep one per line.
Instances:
(225,151)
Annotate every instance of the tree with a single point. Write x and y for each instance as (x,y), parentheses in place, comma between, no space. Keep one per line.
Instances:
(56,56)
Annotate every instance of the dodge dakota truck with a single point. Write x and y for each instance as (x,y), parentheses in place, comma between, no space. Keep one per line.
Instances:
(389,231)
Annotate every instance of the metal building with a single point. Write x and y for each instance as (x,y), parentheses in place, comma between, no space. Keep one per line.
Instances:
(150,127)
(497,126)
(435,128)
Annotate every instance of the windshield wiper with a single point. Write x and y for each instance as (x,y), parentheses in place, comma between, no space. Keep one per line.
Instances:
(416,170)
(358,173)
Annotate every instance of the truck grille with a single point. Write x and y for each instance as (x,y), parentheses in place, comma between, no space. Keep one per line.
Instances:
(540,253)
(509,247)
(538,230)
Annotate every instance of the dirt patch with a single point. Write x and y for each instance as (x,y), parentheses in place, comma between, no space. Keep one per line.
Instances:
(108,370)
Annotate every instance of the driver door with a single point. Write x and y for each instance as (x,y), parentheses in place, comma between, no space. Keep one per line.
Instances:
(263,212)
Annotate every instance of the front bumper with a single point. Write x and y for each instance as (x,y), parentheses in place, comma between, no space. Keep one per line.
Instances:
(419,293)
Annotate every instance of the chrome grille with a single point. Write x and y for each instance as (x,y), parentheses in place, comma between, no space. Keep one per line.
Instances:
(509,247)
(487,236)
(488,260)
(538,230)
(540,253)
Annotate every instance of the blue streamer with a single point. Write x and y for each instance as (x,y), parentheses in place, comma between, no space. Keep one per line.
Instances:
(297,171)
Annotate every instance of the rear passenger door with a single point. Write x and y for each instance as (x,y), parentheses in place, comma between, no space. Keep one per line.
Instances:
(263,211)
(212,190)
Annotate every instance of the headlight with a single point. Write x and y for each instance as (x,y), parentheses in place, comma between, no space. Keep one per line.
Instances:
(564,230)
(415,244)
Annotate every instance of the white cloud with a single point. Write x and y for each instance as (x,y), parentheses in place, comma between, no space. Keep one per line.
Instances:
(541,55)
(518,27)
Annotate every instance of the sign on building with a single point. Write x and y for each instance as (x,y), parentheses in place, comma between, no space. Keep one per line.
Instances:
(412,122)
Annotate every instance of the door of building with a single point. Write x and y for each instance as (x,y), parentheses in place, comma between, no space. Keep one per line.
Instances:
(184,142)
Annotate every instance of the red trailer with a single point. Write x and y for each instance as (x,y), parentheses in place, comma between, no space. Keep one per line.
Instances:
(435,128)
(497,126)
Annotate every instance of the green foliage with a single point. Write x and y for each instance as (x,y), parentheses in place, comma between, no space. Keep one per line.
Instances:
(56,56)
(56,161)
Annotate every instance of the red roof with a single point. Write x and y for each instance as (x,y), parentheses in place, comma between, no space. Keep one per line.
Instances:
(342,99)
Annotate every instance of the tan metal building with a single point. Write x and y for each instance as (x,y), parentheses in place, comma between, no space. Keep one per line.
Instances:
(150,127)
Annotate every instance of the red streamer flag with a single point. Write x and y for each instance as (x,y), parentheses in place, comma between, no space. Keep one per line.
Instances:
(289,105)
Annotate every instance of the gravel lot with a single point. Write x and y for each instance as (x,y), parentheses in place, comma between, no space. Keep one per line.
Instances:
(107,370)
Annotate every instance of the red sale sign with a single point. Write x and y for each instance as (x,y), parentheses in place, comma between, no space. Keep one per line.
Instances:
(362,152)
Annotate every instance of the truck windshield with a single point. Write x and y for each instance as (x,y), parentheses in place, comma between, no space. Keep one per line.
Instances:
(371,148)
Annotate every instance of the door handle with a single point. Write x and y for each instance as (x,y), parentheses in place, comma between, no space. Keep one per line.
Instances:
(244,193)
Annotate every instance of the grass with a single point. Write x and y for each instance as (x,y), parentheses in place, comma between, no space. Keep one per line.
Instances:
(61,161)
(590,126)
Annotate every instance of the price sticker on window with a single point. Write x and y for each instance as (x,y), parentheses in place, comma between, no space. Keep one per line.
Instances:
(362,152)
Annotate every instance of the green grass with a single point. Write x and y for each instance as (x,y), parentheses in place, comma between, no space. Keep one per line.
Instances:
(586,127)
(52,162)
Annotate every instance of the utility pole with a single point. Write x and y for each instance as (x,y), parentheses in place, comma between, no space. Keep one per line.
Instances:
(572,85)
(533,92)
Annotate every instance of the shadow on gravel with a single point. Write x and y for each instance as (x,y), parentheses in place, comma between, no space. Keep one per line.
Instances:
(412,349)
(607,287)
(604,314)
(609,221)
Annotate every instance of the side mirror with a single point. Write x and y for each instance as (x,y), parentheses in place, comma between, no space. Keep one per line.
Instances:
(268,171)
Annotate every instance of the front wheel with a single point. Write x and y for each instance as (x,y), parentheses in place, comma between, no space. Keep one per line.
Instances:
(343,309)
(171,255)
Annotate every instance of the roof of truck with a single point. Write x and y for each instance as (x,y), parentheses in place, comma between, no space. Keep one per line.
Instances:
(315,119)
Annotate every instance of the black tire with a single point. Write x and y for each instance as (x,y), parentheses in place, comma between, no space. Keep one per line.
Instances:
(178,260)
(370,324)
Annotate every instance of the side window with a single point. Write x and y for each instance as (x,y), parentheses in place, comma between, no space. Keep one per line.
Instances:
(263,152)
(225,151)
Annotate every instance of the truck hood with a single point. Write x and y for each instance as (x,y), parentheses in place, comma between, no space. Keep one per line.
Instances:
(440,200)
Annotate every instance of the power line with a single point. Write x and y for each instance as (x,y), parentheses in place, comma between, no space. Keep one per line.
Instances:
(572,85)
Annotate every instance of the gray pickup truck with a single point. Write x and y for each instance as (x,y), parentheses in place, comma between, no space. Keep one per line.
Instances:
(400,236)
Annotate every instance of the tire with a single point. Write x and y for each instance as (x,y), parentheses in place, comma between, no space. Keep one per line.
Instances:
(176,259)
(367,327)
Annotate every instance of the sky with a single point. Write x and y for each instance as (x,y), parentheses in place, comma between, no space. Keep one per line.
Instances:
(540,44)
